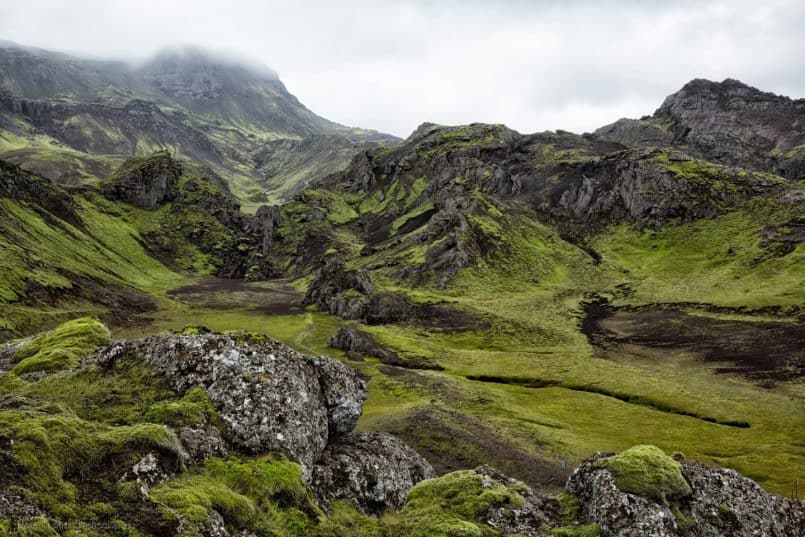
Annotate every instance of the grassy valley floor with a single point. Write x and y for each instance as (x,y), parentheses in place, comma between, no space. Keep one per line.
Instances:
(528,389)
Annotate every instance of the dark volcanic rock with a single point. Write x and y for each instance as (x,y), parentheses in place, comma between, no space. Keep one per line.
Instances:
(728,122)
(373,470)
(270,397)
(340,291)
(145,182)
(653,186)
(358,343)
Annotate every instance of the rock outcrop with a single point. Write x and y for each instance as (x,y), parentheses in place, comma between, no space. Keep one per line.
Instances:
(359,344)
(374,470)
(652,186)
(273,399)
(719,502)
(145,182)
(270,397)
(340,291)
(727,122)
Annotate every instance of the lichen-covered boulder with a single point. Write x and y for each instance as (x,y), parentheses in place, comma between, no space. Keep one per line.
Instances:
(270,397)
(726,503)
(642,491)
(615,511)
(373,470)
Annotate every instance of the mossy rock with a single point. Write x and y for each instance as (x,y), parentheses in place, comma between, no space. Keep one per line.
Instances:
(62,347)
(647,471)
(262,495)
(452,504)
(194,330)
(53,449)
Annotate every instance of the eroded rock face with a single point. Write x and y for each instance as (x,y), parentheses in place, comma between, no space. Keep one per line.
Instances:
(374,470)
(271,397)
(653,186)
(722,502)
(145,182)
(340,291)
(728,122)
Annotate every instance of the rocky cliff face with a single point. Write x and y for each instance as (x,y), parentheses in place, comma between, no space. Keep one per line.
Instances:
(727,122)
(145,182)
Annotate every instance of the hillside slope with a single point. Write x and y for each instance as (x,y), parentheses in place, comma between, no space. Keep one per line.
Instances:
(73,119)
(527,299)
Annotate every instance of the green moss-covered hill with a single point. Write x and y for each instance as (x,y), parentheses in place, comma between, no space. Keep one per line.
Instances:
(522,299)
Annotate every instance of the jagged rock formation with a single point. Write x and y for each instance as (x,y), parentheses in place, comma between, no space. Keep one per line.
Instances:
(719,502)
(340,291)
(146,182)
(727,122)
(653,186)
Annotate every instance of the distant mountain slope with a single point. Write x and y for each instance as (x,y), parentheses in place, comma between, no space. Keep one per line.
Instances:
(727,122)
(74,119)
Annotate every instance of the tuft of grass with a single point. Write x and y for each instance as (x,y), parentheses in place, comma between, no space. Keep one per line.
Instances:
(647,471)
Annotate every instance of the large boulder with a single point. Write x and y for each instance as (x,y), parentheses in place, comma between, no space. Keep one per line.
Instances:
(373,470)
(642,491)
(271,397)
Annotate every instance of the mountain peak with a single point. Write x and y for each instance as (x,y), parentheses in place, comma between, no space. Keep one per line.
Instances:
(723,92)
(194,59)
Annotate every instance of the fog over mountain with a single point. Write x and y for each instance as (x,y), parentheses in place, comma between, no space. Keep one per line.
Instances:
(390,66)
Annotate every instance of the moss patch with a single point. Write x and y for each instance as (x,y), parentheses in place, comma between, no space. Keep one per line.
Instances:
(61,347)
(647,471)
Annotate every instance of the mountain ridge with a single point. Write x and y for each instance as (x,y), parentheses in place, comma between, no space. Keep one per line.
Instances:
(76,119)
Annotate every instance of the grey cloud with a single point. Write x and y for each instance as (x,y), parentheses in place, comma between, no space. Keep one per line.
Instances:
(533,65)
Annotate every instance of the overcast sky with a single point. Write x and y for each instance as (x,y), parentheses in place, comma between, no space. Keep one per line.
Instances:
(533,65)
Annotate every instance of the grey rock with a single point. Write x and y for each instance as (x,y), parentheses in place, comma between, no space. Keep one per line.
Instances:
(726,503)
(271,397)
(15,507)
(147,472)
(619,514)
(728,122)
(373,470)
(358,343)
(722,502)
(533,519)
(340,291)
(201,442)
(640,186)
